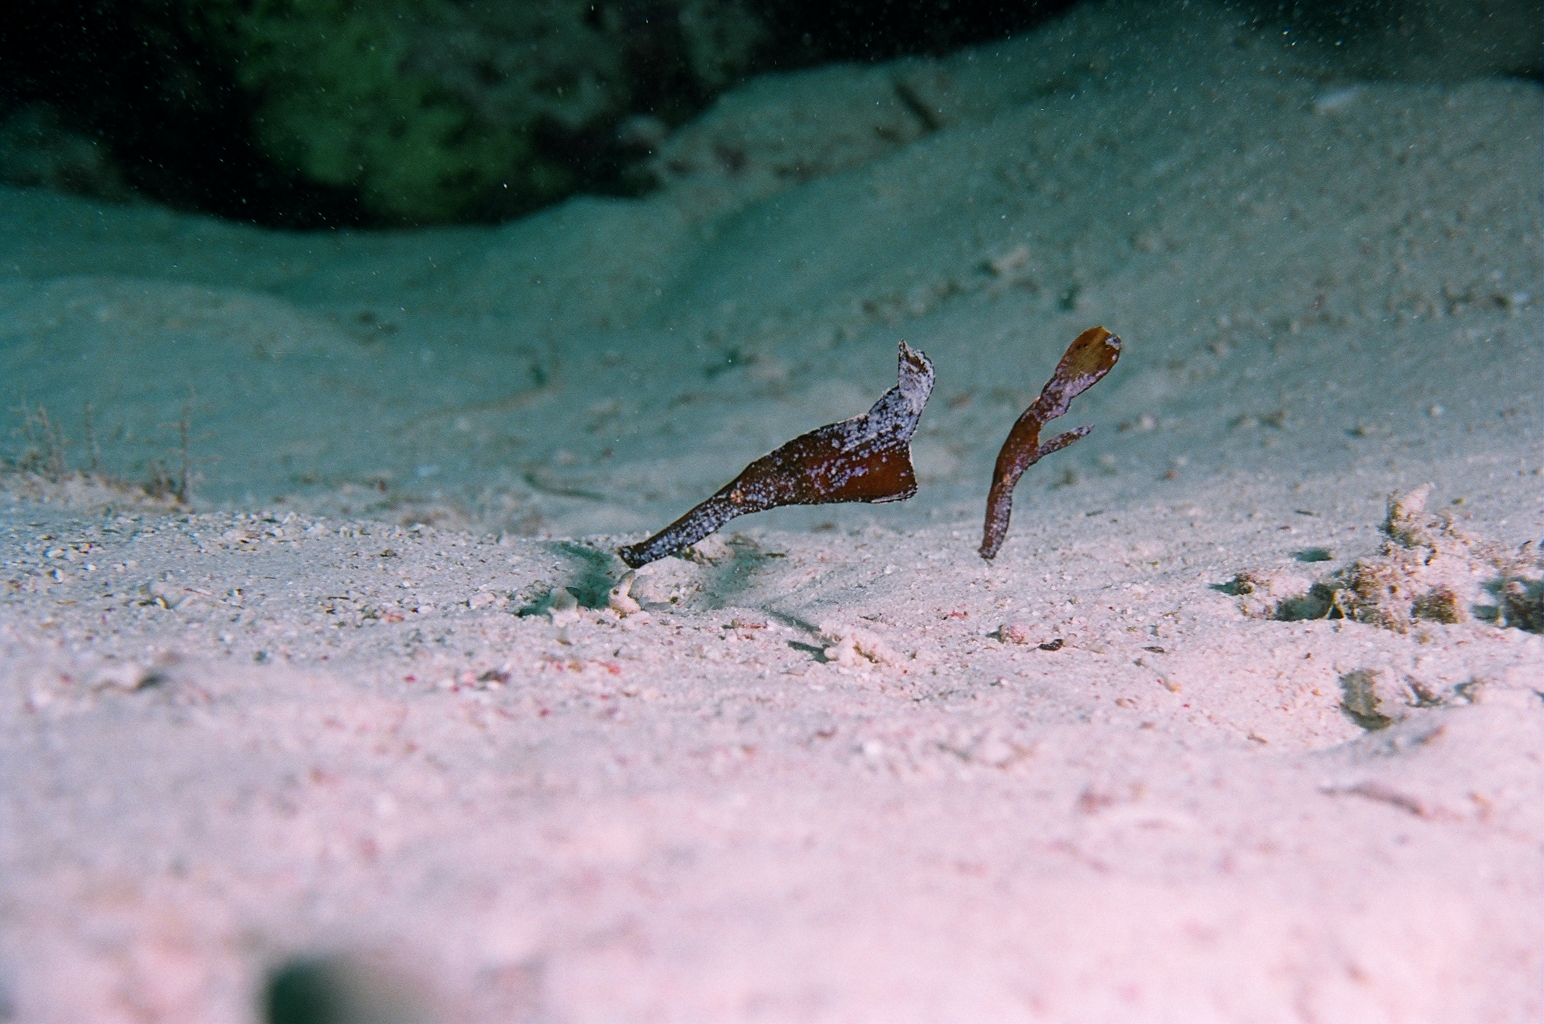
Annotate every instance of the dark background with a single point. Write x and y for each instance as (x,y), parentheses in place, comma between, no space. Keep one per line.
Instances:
(170,124)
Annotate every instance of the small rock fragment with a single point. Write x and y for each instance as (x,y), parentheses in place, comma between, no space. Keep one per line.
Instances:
(855,648)
(122,675)
(562,607)
(620,598)
(1015,633)
(708,550)
(1376,698)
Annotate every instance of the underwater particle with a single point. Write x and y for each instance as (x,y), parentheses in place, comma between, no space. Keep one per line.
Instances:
(866,458)
(1336,100)
(1086,361)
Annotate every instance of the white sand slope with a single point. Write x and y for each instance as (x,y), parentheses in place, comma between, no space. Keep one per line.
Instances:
(374,701)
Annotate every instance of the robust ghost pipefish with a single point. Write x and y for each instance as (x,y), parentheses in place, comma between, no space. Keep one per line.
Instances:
(866,458)
(1087,359)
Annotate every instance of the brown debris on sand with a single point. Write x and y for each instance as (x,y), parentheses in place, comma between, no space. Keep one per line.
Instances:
(1428,569)
(866,458)
(1431,570)
(1087,359)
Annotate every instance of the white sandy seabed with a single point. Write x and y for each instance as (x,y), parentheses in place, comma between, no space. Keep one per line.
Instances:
(368,717)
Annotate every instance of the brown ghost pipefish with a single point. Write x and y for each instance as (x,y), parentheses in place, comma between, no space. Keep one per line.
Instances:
(866,458)
(1086,360)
